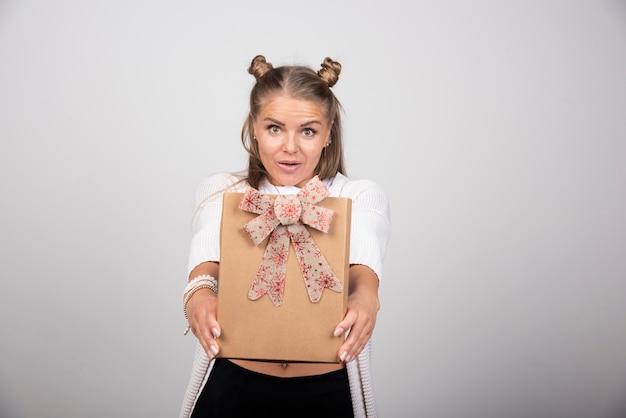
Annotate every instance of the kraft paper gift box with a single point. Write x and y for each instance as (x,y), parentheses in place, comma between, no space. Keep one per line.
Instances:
(298,330)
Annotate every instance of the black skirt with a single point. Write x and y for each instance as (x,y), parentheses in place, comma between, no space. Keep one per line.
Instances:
(233,391)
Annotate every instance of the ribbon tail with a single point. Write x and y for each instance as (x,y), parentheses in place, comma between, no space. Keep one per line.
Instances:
(316,271)
(270,276)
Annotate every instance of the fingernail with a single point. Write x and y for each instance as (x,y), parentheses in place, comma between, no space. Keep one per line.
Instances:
(216,333)
(214,350)
(339,331)
(343,356)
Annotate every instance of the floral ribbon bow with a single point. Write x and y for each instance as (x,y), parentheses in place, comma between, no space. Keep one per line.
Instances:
(284,218)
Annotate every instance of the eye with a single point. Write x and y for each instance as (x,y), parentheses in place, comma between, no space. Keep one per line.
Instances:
(274,129)
(309,132)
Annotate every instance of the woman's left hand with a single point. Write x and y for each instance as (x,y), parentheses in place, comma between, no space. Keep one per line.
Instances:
(363,306)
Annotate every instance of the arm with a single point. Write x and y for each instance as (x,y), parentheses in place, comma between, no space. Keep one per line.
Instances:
(368,242)
(202,311)
(363,306)
(205,227)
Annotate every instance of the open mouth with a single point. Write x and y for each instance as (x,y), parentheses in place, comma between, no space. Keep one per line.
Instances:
(289,163)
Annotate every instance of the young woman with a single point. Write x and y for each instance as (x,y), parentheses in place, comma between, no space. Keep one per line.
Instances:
(292,133)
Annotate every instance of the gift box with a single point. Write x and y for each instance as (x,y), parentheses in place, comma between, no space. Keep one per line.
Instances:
(264,317)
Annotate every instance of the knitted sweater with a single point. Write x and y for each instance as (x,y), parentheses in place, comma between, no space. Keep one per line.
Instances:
(369,235)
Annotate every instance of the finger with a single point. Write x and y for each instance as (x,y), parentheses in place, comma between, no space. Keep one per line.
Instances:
(211,333)
(215,328)
(206,329)
(358,337)
(350,349)
(347,323)
(201,340)
(207,340)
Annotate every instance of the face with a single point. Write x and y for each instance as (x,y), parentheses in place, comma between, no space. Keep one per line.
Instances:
(291,134)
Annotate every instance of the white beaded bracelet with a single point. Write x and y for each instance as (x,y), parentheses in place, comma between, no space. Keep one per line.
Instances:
(203,281)
(200,280)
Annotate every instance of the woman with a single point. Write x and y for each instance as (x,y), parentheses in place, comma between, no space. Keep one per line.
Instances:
(292,133)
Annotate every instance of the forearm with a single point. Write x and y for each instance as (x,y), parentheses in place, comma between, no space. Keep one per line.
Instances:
(209,267)
(363,283)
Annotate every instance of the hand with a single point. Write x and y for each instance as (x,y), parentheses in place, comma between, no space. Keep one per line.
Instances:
(202,314)
(360,319)
(202,311)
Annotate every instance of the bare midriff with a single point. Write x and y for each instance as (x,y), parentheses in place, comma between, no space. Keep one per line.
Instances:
(287,369)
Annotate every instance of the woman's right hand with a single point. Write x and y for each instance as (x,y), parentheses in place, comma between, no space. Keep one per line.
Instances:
(202,314)
(202,311)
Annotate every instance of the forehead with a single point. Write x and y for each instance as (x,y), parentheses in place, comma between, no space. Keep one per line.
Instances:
(286,107)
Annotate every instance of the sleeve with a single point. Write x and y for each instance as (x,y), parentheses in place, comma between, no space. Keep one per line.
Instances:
(206,220)
(371,224)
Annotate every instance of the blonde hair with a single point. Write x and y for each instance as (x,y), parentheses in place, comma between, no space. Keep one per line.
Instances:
(299,82)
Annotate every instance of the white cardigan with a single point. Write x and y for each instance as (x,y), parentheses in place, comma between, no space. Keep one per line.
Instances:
(369,234)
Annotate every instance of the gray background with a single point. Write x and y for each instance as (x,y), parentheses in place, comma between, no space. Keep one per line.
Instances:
(497,128)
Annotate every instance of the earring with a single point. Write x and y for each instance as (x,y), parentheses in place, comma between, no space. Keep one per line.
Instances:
(328,143)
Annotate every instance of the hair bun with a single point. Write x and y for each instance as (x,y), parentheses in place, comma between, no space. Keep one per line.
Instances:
(259,67)
(330,71)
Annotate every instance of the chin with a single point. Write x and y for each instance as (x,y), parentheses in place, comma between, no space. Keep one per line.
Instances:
(286,182)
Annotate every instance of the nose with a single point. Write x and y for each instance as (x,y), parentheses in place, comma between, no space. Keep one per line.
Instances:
(290,144)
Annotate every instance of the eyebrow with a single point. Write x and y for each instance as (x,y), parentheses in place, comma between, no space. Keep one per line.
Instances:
(279,123)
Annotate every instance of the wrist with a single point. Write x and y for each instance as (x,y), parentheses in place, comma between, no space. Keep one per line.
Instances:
(203,281)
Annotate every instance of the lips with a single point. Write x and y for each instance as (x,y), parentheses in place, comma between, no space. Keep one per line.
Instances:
(289,165)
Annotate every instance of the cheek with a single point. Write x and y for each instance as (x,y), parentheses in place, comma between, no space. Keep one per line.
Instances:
(265,147)
(314,148)
(314,156)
